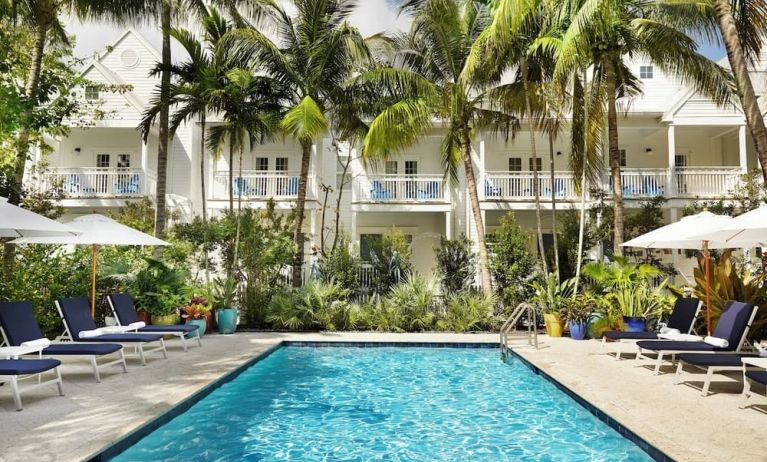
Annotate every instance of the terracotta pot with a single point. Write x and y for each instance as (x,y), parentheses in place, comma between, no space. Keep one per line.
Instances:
(144,317)
(210,321)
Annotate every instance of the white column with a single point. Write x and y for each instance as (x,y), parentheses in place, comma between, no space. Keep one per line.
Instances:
(353,238)
(449,225)
(314,173)
(742,150)
(670,190)
(145,166)
(481,175)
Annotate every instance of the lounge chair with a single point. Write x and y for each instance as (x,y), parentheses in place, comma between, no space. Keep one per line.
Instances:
(711,364)
(751,376)
(14,370)
(733,327)
(79,325)
(19,326)
(125,314)
(682,319)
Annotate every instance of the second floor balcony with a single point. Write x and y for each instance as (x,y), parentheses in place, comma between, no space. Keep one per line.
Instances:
(258,185)
(421,188)
(83,183)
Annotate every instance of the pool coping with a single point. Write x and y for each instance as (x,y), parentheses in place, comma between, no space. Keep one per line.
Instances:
(131,438)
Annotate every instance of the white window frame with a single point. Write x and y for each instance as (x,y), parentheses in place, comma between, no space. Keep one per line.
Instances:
(646,72)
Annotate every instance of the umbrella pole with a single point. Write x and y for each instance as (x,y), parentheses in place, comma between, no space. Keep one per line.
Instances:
(707,260)
(93,281)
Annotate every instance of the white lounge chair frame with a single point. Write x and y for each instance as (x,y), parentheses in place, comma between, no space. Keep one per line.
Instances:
(16,390)
(622,342)
(746,395)
(673,353)
(138,346)
(92,358)
(710,371)
(180,335)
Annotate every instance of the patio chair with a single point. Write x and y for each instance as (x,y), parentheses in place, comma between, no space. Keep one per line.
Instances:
(652,188)
(79,326)
(19,326)
(733,327)
(378,192)
(72,184)
(240,187)
(127,184)
(431,191)
(15,370)
(751,376)
(292,189)
(559,189)
(126,315)
(491,190)
(682,319)
(712,364)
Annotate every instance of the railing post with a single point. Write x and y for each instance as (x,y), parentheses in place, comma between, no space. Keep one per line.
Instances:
(671,183)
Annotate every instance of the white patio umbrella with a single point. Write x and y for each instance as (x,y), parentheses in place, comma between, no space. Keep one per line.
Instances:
(18,222)
(96,230)
(686,234)
(744,231)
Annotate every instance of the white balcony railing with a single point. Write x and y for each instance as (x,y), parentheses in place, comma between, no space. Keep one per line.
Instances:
(522,186)
(707,182)
(400,188)
(96,182)
(258,185)
(640,183)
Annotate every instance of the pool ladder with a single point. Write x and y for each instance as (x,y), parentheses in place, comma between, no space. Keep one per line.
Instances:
(510,326)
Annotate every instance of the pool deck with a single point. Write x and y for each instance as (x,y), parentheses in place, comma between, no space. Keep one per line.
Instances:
(673,417)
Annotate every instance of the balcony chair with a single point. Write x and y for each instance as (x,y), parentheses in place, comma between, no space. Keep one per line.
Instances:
(652,188)
(559,189)
(19,327)
(240,187)
(292,189)
(430,192)
(127,185)
(378,192)
(71,184)
(491,190)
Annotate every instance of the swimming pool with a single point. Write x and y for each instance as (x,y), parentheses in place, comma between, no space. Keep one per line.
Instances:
(390,404)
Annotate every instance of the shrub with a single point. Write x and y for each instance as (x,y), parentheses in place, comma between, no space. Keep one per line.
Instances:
(512,264)
(328,305)
(468,310)
(390,258)
(414,299)
(342,266)
(456,264)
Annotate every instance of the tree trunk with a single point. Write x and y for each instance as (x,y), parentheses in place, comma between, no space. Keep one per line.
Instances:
(615,158)
(326,189)
(204,196)
(536,185)
(231,173)
(298,235)
(239,212)
(739,65)
(162,150)
(338,201)
(553,204)
(471,186)
(582,218)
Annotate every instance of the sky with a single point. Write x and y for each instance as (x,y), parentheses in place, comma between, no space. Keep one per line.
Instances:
(371,16)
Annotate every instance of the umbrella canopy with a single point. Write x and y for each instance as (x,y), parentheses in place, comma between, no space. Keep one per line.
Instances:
(684,234)
(744,231)
(96,230)
(18,222)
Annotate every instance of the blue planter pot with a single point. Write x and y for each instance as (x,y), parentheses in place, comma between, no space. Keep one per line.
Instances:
(578,330)
(226,318)
(201,324)
(634,324)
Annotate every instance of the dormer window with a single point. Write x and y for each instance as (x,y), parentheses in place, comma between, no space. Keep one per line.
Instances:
(645,72)
(91,93)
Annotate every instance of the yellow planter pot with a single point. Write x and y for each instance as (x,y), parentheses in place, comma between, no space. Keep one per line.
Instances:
(167,320)
(554,325)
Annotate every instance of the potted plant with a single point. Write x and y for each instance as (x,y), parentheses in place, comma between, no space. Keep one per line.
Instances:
(577,313)
(552,296)
(204,302)
(165,309)
(195,314)
(224,295)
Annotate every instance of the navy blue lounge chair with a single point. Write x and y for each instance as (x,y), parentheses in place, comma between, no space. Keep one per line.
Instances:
(733,326)
(712,364)
(750,377)
(682,319)
(18,325)
(76,314)
(14,370)
(126,315)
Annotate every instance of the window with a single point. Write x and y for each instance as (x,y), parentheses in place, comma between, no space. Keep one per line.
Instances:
(91,93)
(102,161)
(515,164)
(391,167)
(262,164)
(123,161)
(537,165)
(411,167)
(680,160)
(367,243)
(623,157)
(645,72)
(281,164)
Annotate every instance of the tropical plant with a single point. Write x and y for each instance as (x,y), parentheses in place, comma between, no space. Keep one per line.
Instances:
(224,292)
(390,257)
(414,299)
(468,310)
(286,312)
(511,263)
(328,304)
(341,265)
(312,54)
(195,311)
(166,303)
(456,265)
(552,296)
(428,81)
(579,308)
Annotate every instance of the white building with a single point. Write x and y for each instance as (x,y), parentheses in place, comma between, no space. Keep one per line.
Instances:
(677,144)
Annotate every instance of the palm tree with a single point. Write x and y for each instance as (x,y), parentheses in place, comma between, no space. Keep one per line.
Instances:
(43,17)
(603,36)
(429,81)
(312,55)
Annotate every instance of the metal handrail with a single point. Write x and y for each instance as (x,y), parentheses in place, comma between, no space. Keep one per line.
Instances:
(511,323)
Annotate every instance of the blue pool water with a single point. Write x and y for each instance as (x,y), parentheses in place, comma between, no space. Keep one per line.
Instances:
(385,404)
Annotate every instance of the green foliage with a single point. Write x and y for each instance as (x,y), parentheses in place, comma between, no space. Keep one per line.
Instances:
(316,305)
(456,264)
(138,215)
(568,222)
(550,295)
(342,266)
(579,308)
(512,264)
(414,299)
(391,261)
(750,194)
(467,311)
(224,292)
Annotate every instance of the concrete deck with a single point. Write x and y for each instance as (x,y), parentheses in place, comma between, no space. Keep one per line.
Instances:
(91,416)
